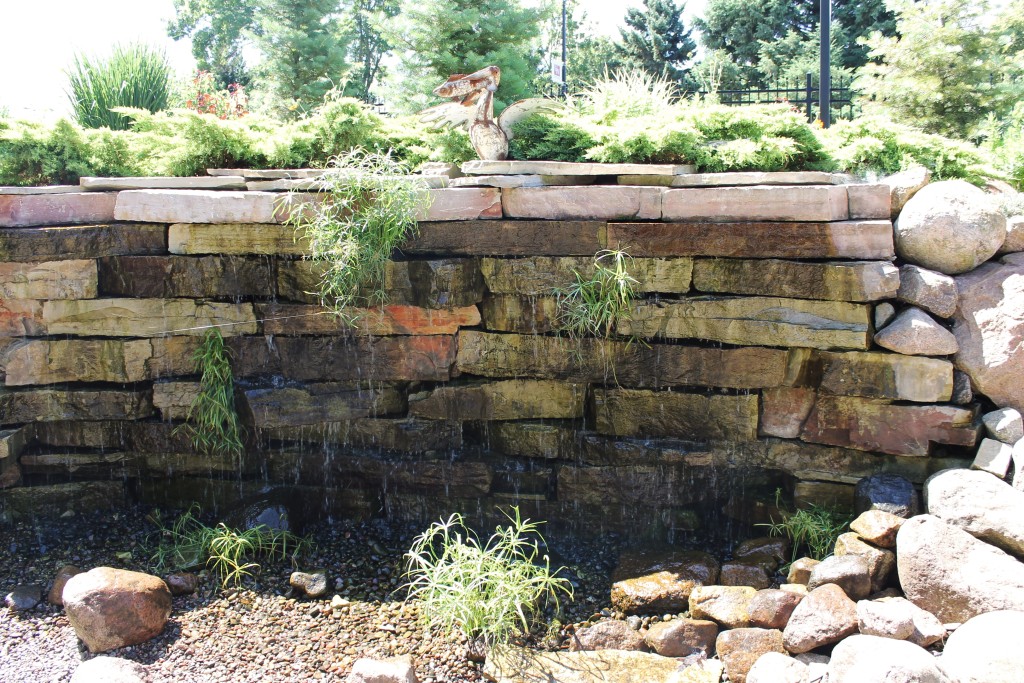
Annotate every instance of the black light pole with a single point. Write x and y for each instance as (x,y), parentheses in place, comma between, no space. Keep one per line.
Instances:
(565,87)
(825,73)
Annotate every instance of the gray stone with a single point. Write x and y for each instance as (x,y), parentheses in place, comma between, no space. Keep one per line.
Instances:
(950,226)
(394,670)
(775,667)
(981,505)
(904,185)
(110,670)
(986,649)
(885,619)
(525,665)
(1018,465)
(569,168)
(953,575)
(870,659)
(718,204)
(1014,241)
(881,562)
(934,292)
(993,457)
(824,617)
(989,328)
(889,493)
(310,584)
(962,393)
(927,627)
(884,313)
(598,202)
(737,178)
(24,598)
(1004,425)
(608,635)
(852,573)
(163,183)
(915,333)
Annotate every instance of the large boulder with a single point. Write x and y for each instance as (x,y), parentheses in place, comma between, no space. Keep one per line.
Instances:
(608,635)
(111,608)
(985,507)
(953,575)
(871,659)
(656,581)
(986,649)
(950,226)
(989,329)
(824,617)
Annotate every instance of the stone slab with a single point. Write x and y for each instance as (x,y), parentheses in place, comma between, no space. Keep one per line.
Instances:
(405,435)
(35,502)
(596,202)
(236,238)
(754,321)
(43,189)
(314,185)
(501,400)
(163,183)
(736,179)
(463,204)
(876,425)
(525,314)
(532,439)
(174,399)
(504,181)
(870,201)
(83,465)
(993,457)
(539,275)
(478,167)
(45,405)
(723,204)
(862,240)
(267,174)
(21,318)
(286,320)
(319,402)
(34,245)
(784,409)
(405,358)
(69,279)
(521,665)
(886,375)
(633,365)
(633,412)
(54,361)
(146,317)
(13,442)
(169,277)
(851,281)
(508,238)
(30,210)
(206,206)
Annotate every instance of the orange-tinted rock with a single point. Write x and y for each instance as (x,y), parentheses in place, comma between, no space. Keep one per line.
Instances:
(17,211)
(824,617)
(290,320)
(727,605)
(771,608)
(508,238)
(740,573)
(64,574)
(655,582)
(739,648)
(607,635)
(878,527)
(682,637)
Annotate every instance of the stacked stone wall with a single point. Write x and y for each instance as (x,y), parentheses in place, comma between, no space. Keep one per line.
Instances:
(747,364)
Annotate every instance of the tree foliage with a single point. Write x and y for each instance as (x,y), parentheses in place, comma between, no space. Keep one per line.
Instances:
(438,38)
(656,39)
(218,29)
(590,55)
(368,45)
(950,67)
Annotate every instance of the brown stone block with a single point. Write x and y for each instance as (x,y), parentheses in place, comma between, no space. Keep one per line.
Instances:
(870,240)
(168,277)
(870,201)
(292,320)
(508,238)
(594,202)
(853,281)
(41,502)
(540,275)
(824,494)
(506,400)
(44,405)
(236,238)
(319,402)
(527,314)
(174,399)
(425,358)
(842,465)
(33,245)
(639,365)
(886,375)
(19,211)
(53,361)
(457,478)
(784,409)
(754,321)
(207,206)
(173,465)
(73,279)
(103,465)
(146,317)
(21,318)
(631,412)
(107,435)
(648,485)
(754,203)
(405,435)
(876,425)
(532,440)
(462,204)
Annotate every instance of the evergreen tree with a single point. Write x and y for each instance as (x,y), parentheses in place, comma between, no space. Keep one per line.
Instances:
(656,40)
(438,38)
(218,29)
(304,42)
(367,45)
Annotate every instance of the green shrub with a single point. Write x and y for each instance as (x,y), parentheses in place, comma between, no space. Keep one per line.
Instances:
(653,140)
(549,139)
(488,590)
(209,142)
(133,76)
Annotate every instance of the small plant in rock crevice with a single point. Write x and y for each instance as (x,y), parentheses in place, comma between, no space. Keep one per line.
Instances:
(812,531)
(367,207)
(229,553)
(212,423)
(590,306)
(489,590)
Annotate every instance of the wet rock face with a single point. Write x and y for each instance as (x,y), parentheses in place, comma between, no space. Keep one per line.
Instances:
(889,493)
(647,582)
(111,608)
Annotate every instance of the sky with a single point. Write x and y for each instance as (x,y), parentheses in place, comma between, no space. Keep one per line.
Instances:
(39,38)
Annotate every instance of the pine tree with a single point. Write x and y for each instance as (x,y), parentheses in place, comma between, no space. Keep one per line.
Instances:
(304,42)
(218,29)
(657,41)
(368,45)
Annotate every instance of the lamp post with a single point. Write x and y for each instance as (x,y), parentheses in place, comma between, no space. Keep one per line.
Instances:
(825,67)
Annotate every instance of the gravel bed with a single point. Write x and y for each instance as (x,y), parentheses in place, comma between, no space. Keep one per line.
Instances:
(258,632)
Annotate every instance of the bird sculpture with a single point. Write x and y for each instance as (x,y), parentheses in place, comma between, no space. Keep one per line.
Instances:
(472,107)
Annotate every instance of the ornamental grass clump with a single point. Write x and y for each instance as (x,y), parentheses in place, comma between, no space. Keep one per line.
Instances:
(590,306)
(487,590)
(134,76)
(812,531)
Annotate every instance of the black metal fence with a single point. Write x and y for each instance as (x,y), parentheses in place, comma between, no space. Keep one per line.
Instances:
(804,96)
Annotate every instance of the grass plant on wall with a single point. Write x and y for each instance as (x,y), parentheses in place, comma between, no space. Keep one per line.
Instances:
(590,306)
(368,206)
(212,422)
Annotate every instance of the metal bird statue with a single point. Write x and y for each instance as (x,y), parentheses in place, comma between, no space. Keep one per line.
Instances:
(472,107)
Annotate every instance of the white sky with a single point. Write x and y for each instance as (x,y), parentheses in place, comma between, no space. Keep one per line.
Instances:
(38,39)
